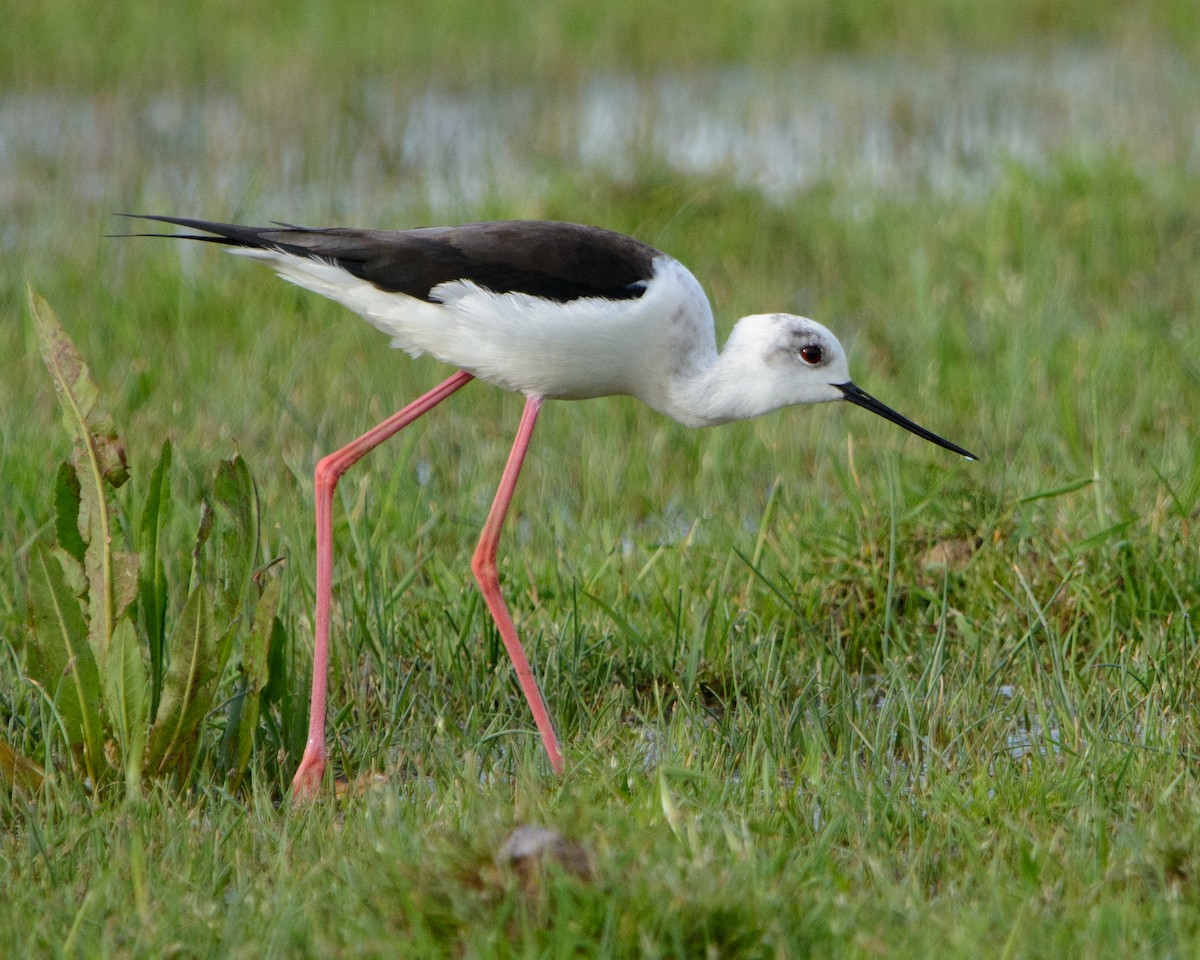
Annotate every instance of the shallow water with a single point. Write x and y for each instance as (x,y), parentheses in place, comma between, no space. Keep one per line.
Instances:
(949,126)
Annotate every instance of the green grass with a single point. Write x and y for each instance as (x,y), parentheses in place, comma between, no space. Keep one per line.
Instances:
(216,43)
(792,727)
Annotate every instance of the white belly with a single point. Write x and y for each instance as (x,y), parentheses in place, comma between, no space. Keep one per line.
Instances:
(583,348)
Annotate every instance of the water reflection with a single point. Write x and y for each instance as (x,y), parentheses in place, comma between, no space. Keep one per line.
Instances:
(949,126)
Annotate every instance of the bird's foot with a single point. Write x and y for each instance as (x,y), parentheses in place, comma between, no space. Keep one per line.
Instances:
(553,751)
(306,784)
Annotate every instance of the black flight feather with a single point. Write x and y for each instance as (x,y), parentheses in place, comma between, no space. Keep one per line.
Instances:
(544,258)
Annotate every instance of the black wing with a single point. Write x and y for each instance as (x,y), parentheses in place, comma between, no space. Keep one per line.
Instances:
(545,258)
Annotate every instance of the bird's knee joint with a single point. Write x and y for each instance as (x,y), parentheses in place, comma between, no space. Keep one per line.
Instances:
(484,569)
(327,473)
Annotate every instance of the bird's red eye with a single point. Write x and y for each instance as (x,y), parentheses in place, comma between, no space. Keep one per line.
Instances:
(811,354)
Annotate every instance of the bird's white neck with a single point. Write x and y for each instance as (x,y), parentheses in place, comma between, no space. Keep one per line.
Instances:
(749,377)
(718,393)
(676,369)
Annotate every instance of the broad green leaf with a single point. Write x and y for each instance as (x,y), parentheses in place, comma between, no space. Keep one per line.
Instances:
(152,573)
(99,461)
(276,691)
(17,770)
(126,698)
(235,494)
(243,714)
(203,532)
(228,752)
(95,522)
(125,581)
(256,652)
(61,659)
(66,512)
(73,571)
(73,383)
(188,687)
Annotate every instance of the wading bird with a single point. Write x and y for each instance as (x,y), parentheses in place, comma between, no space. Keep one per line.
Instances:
(554,311)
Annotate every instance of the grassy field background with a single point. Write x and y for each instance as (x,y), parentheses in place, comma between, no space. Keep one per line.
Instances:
(824,690)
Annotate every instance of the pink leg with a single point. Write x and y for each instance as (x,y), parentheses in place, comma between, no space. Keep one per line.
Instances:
(307,781)
(483,565)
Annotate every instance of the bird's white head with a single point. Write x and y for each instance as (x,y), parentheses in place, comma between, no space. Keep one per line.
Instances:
(774,360)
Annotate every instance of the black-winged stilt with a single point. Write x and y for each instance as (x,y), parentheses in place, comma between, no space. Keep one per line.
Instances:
(552,311)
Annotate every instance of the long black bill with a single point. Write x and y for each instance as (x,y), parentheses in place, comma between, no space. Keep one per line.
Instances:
(860,397)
